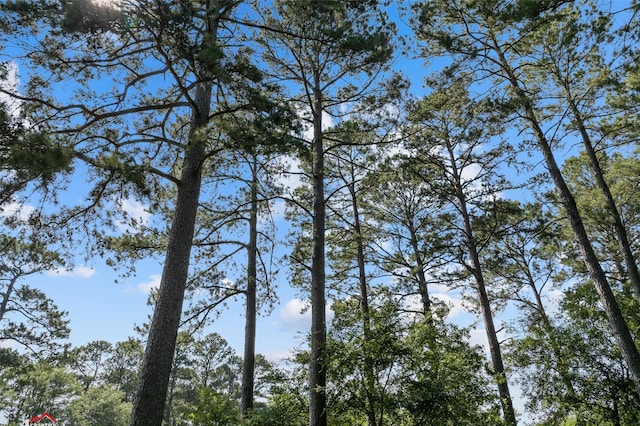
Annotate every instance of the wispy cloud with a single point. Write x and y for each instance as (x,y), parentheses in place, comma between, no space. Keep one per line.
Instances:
(134,210)
(148,286)
(83,272)
(10,82)
(15,209)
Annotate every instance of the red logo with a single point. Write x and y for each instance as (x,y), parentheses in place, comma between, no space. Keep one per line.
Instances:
(38,419)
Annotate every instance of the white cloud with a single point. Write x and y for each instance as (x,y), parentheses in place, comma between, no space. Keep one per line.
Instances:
(277,209)
(136,210)
(291,175)
(554,297)
(279,357)
(11,344)
(148,286)
(83,272)
(456,305)
(295,315)
(307,133)
(478,336)
(10,82)
(132,209)
(22,211)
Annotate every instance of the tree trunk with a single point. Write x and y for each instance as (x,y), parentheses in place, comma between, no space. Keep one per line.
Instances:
(172,387)
(422,279)
(612,310)
(151,394)
(248,366)
(6,296)
(563,367)
(369,377)
(499,374)
(619,228)
(317,369)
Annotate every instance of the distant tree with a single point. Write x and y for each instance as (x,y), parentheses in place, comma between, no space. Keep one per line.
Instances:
(620,171)
(523,265)
(330,53)
(410,230)
(27,316)
(97,406)
(88,362)
(490,41)
(580,79)
(166,70)
(29,388)
(456,148)
(123,367)
(213,409)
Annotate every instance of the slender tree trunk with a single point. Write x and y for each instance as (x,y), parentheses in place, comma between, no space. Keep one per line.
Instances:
(248,366)
(6,296)
(369,376)
(172,386)
(422,279)
(151,394)
(563,368)
(317,367)
(612,310)
(619,228)
(499,373)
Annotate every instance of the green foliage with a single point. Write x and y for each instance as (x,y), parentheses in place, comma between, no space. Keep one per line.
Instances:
(27,315)
(98,406)
(424,373)
(28,155)
(281,409)
(214,409)
(33,388)
(602,390)
(87,16)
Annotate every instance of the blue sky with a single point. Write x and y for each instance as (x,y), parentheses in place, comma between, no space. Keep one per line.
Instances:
(101,309)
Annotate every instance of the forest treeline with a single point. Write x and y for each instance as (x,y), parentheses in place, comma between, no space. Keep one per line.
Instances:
(431,156)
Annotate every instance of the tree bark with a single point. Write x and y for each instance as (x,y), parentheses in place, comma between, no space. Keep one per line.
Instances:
(612,310)
(317,369)
(422,279)
(6,296)
(150,397)
(499,373)
(619,228)
(369,376)
(248,366)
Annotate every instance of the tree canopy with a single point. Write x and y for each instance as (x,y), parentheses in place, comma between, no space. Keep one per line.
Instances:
(447,186)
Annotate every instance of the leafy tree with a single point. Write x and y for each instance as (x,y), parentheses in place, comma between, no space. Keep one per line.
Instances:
(485,38)
(33,388)
(89,361)
(282,409)
(456,150)
(147,122)
(524,268)
(580,78)
(362,387)
(444,380)
(411,230)
(122,368)
(620,171)
(602,390)
(98,405)
(27,316)
(330,52)
(214,409)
